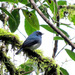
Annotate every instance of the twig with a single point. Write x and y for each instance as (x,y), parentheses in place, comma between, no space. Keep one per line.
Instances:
(21,33)
(63,48)
(27,72)
(65,62)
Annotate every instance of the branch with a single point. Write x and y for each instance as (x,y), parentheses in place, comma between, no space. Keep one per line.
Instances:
(51,25)
(27,72)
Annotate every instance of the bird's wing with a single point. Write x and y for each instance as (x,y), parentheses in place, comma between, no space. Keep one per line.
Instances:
(29,43)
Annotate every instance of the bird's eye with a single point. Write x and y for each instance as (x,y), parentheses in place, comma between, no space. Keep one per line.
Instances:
(39,33)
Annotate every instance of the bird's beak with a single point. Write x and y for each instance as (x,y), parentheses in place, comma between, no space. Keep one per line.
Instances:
(42,33)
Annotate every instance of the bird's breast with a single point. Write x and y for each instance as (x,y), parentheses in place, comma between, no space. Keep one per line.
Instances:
(35,46)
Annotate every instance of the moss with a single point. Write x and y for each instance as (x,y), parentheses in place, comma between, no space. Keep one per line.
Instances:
(53,62)
(39,52)
(4,32)
(71,15)
(49,69)
(46,61)
(61,12)
(9,38)
(58,70)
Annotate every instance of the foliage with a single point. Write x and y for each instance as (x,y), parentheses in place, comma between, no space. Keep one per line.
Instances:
(62,2)
(58,38)
(68,12)
(71,54)
(53,8)
(52,31)
(64,71)
(14,25)
(30,21)
(48,28)
(28,66)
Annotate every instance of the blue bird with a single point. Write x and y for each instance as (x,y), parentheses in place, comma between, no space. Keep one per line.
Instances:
(32,42)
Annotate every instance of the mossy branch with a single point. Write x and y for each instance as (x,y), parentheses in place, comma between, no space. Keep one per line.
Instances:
(9,65)
(9,38)
(49,65)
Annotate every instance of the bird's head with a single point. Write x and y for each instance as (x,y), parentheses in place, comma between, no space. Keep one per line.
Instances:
(38,33)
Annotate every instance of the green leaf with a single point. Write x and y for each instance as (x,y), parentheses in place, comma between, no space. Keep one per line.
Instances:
(46,5)
(67,25)
(51,30)
(9,14)
(31,19)
(28,28)
(48,28)
(27,3)
(13,1)
(53,8)
(26,67)
(61,12)
(23,1)
(44,11)
(64,71)
(71,54)
(63,32)
(36,1)
(72,18)
(58,38)
(62,3)
(14,25)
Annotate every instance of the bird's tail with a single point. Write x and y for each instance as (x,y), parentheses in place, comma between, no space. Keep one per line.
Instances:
(19,51)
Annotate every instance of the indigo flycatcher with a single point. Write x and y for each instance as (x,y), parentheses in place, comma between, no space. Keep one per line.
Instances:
(32,42)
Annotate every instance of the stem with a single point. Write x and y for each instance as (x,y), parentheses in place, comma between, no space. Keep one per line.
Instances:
(56,41)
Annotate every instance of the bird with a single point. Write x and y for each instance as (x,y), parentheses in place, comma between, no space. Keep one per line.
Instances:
(32,42)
